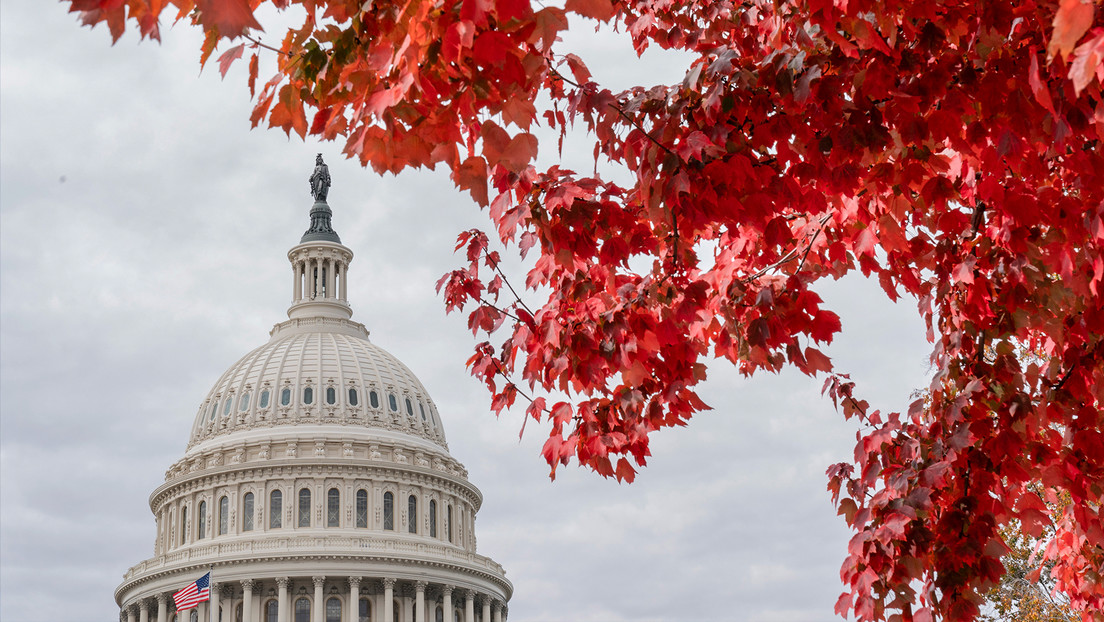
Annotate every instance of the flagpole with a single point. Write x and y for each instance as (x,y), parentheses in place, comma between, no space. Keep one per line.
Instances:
(210,588)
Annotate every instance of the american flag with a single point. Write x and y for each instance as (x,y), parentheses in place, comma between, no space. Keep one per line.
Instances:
(196,592)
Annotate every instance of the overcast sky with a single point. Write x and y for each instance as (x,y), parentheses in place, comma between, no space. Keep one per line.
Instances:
(143,238)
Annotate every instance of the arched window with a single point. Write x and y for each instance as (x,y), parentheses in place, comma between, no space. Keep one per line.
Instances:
(304,507)
(275,509)
(302,610)
(194,616)
(272,610)
(333,609)
(308,395)
(393,402)
(364,610)
(396,607)
(409,408)
(388,511)
(353,401)
(412,514)
(421,408)
(439,615)
(285,396)
(331,396)
(432,518)
(333,508)
(362,508)
(264,399)
(202,521)
(456,615)
(238,613)
(243,403)
(183,523)
(247,512)
(373,399)
(448,523)
(224,515)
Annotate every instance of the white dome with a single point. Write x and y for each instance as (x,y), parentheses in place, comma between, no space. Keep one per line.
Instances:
(317,479)
(318,371)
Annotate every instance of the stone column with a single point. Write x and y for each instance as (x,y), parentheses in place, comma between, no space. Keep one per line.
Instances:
(388,599)
(469,605)
(497,611)
(344,281)
(130,614)
(143,610)
(162,608)
(319,583)
(216,588)
(446,604)
(247,600)
(282,603)
(354,599)
(295,282)
(331,281)
(486,609)
(419,601)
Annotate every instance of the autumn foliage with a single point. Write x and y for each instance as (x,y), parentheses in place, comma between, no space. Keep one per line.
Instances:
(950,150)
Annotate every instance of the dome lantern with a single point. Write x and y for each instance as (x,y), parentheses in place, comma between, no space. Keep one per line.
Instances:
(320,263)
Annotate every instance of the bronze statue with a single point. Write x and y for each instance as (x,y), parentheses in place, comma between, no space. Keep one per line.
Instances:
(320,180)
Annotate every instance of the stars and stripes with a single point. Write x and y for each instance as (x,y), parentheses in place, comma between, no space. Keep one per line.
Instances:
(196,592)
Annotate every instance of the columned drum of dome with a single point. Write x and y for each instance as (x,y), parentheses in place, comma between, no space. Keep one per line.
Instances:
(317,484)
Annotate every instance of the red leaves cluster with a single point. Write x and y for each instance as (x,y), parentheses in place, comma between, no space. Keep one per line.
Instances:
(930,145)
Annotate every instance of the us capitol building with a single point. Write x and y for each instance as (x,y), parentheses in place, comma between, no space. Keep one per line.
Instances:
(317,485)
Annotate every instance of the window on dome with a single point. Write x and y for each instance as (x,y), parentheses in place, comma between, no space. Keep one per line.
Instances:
(224,515)
(304,507)
(308,395)
(302,610)
(247,512)
(421,408)
(364,613)
(412,514)
(285,396)
(388,511)
(448,523)
(392,402)
(238,613)
(227,406)
(373,399)
(353,397)
(432,518)
(202,532)
(439,615)
(362,508)
(331,395)
(333,507)
(183,523)
(275,510)
(264,399)
(333,609)
(409,408)
(243,403)
(272,611)
(212,411)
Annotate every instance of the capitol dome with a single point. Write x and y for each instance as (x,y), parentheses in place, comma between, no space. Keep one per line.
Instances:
(316,484)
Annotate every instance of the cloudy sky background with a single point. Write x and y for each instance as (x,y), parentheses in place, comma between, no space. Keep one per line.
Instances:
(143,239)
